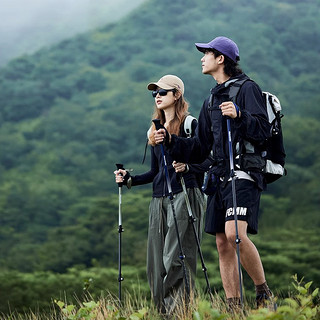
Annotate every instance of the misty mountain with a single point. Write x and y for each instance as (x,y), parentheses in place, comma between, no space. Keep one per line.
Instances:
(26,26)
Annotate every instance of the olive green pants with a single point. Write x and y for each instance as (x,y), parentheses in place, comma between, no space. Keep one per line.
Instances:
(164,265)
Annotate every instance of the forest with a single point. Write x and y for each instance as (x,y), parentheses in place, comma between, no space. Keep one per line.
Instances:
(70,112)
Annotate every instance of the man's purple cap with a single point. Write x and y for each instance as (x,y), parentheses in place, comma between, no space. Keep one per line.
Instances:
(222,44)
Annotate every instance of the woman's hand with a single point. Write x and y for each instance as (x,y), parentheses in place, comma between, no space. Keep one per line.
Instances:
(160,136)
(119,175)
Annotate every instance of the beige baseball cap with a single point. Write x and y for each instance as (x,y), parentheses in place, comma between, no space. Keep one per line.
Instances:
(168,82)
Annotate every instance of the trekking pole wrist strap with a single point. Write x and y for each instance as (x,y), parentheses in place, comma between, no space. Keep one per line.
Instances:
(237,110)
(129,183)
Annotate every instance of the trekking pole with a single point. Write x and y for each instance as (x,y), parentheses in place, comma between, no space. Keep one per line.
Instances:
(192,219)
(120,230)
(181,256)
(234,198)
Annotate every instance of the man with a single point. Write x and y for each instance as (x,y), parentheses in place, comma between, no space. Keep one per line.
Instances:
(250,129)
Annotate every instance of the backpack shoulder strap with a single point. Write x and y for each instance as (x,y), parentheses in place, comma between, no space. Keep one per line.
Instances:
(235,87)
(187,125)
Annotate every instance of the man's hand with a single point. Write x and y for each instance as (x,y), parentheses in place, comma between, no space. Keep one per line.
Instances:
(160,136)
(179,167)
(230,110)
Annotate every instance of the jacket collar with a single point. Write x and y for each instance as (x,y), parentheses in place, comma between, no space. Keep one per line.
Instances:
(226,84)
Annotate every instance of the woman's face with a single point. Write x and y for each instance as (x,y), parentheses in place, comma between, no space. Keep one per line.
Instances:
(164,99)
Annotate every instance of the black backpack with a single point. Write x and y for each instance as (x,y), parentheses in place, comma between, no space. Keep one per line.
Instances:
(274,154)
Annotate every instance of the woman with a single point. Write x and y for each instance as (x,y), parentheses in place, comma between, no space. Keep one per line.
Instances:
(164,267)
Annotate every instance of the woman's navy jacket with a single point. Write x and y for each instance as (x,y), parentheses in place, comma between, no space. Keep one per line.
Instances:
(193,178)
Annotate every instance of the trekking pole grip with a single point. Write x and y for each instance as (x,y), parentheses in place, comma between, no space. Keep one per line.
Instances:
(120,166)
(158,126)
(157,123)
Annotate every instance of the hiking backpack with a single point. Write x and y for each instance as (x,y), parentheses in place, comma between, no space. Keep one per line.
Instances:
(187,125)
(274,154)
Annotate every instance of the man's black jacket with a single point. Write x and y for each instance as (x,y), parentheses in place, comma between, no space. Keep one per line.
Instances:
(211,132)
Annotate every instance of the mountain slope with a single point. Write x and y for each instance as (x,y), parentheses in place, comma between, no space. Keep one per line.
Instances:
(70,112)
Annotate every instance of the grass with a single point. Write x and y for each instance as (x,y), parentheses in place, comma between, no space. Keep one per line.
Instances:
(302,305)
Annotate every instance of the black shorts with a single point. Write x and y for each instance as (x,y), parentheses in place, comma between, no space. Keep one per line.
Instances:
(220,206)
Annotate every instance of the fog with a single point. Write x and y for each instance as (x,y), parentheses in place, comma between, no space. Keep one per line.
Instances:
(28,25)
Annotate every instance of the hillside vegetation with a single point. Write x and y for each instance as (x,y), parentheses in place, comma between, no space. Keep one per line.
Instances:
(70,112)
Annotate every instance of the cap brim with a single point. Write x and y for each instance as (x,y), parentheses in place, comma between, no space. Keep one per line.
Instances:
(202,46)
(162,85)
(152,86)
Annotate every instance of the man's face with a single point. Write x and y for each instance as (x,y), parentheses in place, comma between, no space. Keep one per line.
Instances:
(209,63)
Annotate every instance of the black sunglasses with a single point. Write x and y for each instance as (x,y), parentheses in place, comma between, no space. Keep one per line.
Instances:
(162,92)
